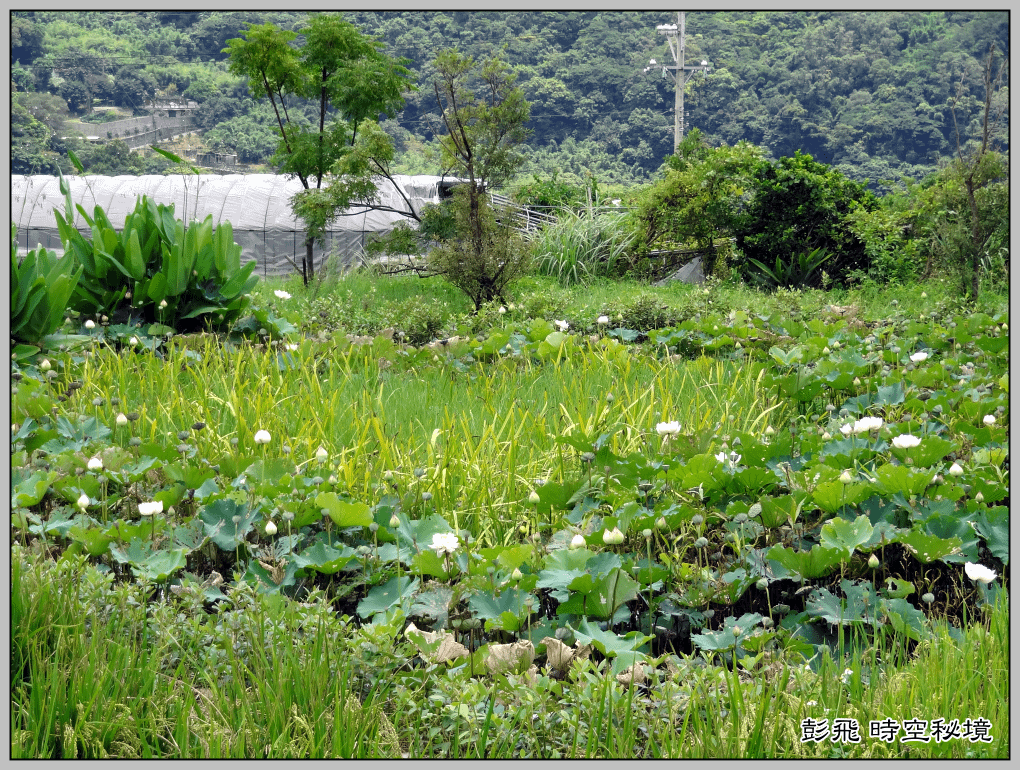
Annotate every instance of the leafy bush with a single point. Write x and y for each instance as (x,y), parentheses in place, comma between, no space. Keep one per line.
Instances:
(156,269)
(487,258)
(420,320)
(799,205)
(646,312)
(41,286)
(554,193)
(581,246)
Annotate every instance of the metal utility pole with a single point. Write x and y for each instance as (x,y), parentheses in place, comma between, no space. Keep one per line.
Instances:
(675,36)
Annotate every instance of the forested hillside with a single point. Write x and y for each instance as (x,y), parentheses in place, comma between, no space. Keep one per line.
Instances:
(867,93)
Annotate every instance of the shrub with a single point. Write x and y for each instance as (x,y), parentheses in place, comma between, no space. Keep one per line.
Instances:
(646,312)
(420,320)
(798,206)
(488,256)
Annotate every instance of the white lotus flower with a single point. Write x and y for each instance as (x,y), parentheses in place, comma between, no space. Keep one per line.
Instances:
(501,310)
(445,542)
(956,470)
(90,324)
(979,572)
(919,356)
(905,441)
(989,419)
(263,437)
(83,501)
(133,340)
(667,428)
(150,509)
(602,320)
(561,325)
(95,464)
(281,294)
(577,541)
(122,419)
(863,425)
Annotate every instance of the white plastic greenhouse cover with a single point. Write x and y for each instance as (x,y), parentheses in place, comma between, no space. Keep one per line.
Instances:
(247,201)
(256,205)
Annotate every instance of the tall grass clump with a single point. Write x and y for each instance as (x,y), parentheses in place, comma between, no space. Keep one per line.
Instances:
(582,246)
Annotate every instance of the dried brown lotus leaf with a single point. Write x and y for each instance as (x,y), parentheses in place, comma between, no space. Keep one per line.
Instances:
(633,675)
(509,657)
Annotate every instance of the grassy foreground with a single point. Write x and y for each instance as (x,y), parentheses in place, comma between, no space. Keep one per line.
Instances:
(277,679)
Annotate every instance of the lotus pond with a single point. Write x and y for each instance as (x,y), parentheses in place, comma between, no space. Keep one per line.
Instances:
(545,538)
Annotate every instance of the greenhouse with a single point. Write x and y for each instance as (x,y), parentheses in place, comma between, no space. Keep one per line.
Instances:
(256,205)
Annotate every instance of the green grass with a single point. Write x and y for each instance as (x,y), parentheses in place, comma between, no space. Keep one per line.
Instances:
(93,676)
(468,430)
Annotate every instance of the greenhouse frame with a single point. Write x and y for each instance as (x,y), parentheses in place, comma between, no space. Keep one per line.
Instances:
(256,205)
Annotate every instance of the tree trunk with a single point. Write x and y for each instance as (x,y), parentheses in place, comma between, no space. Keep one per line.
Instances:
(976,240)
(308,263)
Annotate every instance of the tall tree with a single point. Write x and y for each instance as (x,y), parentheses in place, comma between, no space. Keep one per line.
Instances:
(484,135)
(980,167)
(352,83)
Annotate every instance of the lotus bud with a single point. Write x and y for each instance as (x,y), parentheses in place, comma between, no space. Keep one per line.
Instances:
(873,561)
(955,470)
(533,498)
(394,521)
(270,528)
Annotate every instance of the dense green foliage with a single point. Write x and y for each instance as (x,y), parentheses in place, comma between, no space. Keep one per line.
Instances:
(156,269)
(865,92)
(41,285)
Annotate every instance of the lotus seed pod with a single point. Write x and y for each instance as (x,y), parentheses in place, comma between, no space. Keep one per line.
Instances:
(762,584)
(928,598)
(768,622)
(701,542)
(373,527)
(698,520)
